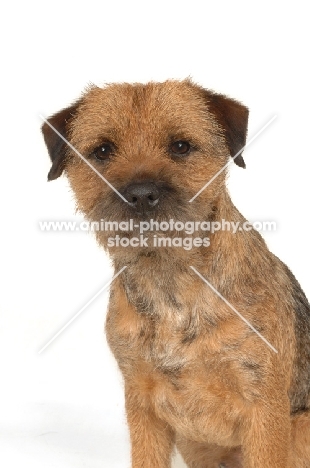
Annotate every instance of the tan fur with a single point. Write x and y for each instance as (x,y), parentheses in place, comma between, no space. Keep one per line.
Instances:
(195,374)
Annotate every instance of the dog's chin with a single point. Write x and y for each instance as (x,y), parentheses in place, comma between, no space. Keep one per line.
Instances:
(160,246)
(123,230)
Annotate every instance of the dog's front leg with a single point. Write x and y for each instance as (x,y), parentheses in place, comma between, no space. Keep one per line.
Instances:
(266,441)
(152,439)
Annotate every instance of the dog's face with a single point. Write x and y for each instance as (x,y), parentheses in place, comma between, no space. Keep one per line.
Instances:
(157,144)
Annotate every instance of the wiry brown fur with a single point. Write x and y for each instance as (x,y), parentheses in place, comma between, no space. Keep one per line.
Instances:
(195,374)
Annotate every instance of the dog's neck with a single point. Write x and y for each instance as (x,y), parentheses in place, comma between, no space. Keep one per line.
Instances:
(215,261)
(154,280)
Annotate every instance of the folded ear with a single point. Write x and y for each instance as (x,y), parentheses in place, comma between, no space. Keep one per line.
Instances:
(233,118)
(55,144)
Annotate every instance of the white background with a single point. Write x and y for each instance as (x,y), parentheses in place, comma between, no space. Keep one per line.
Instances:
(64,407)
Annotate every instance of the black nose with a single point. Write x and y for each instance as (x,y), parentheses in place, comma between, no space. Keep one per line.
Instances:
(143,196)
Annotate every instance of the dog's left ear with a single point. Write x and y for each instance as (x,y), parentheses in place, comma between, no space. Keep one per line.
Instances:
(233,118)
(55,144)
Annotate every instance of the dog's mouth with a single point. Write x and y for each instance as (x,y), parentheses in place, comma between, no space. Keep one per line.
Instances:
(163,228)
(154,215)
(144,213)
(142,201)
(149,209)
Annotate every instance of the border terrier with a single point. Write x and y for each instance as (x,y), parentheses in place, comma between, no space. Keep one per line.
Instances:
(227,389)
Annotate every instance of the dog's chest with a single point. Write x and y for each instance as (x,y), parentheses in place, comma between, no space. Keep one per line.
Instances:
(161,342)
(192,395)
(166,360)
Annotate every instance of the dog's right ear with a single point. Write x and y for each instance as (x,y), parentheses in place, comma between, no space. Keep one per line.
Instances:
(55,144)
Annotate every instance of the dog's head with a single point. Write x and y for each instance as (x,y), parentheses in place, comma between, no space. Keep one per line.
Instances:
(144,151)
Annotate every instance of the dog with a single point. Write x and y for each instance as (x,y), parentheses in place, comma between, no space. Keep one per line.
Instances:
(213,340)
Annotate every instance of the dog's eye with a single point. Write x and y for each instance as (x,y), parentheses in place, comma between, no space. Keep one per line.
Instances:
(103,152)
(180,147)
